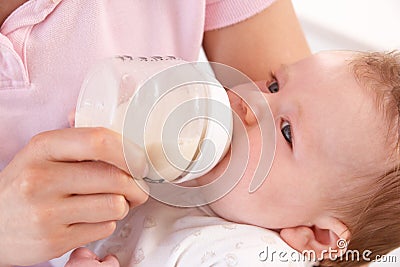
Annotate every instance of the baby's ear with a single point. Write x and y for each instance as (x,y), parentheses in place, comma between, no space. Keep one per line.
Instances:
(328,234)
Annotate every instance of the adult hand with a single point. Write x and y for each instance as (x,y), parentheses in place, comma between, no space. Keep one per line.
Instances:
(66,188)
(83,257)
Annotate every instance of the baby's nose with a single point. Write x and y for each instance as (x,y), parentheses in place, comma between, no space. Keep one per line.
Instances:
(253,102)
(249,113)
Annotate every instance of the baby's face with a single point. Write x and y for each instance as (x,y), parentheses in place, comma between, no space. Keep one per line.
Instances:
(336,133)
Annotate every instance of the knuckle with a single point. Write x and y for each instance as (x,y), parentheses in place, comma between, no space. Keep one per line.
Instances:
(38,138)
(30,182)
(38,141)
(99,138)
(39,145)
(42,216)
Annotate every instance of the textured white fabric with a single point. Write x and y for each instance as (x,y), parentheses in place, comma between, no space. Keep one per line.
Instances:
(156,234)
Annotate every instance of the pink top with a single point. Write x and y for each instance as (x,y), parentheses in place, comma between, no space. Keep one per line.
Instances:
(47,46)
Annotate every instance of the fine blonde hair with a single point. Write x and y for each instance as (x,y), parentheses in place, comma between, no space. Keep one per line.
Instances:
(372,212)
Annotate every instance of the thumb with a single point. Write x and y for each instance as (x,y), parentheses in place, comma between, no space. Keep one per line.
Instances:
(110,261)
(82,254)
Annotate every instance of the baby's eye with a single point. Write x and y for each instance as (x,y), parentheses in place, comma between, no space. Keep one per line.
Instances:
(273,87)
(286,131)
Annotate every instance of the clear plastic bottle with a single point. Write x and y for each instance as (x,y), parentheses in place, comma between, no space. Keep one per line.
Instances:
(177,111)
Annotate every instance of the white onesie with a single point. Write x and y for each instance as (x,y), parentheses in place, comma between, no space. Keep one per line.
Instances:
(156,234)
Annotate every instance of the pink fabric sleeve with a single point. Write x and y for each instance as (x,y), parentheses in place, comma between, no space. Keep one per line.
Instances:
(222,13)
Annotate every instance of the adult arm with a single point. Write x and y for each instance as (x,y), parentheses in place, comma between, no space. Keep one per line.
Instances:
(260,44)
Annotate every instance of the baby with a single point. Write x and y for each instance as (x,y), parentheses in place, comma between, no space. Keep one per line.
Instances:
(334,177)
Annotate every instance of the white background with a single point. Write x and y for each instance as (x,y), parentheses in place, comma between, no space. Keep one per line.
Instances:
(355,25)
(350,24)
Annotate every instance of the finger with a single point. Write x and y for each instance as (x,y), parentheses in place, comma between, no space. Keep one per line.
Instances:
(83,257)
(83,253)
(93,208)
(110,261)
(87,178)
(88,144)
(83,263)
(80,234)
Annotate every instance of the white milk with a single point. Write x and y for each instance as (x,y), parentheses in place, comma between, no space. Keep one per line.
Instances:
(175,125)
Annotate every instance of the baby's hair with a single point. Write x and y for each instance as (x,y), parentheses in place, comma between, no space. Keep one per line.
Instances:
(372,210)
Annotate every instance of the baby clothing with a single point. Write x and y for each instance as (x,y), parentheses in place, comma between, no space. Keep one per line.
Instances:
(156,234)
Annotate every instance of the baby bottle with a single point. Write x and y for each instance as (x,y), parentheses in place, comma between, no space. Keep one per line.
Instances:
(175,110)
